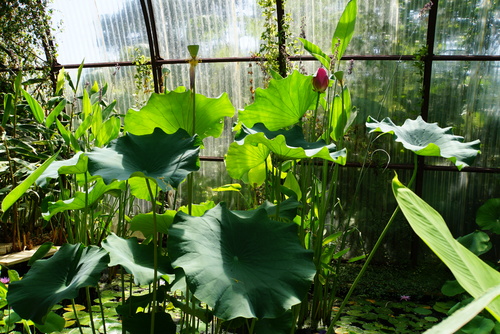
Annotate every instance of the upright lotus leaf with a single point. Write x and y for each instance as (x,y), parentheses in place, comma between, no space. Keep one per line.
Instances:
(144,222)
(166,158)
(241,267)
(248,162)
(488,215)
(282,104)
(137,259)
(81,199)
(428,139)
(290,144)
(59,277)
(474,275)
(173,111)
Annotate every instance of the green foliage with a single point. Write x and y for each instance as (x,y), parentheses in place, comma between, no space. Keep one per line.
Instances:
(52,280)
(230,260)
(473,274)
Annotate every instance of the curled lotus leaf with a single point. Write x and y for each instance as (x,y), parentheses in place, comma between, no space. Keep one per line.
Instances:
(428,139)
(290,144)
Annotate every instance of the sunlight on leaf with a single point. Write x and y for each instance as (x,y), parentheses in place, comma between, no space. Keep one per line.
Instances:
(428,139)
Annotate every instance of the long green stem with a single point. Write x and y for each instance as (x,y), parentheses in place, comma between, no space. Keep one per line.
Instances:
(155,255)
(89,305)
(76,316)
(372,253)
(102,309)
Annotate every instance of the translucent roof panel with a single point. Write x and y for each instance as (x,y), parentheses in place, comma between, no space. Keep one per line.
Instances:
(222,28)
(468,28)
(383,27)
(99,31)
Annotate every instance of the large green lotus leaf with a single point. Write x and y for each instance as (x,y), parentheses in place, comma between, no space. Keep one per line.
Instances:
(488,215)
(282,104)
(78,202)
(137,259)
(248,162)
(166,158)
(290,144)
(241,267)
(60,277)
(144,222)
(428,139)
(173,111)
(474,275)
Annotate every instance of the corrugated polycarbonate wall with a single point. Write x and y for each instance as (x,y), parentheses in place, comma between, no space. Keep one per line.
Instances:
(464,93)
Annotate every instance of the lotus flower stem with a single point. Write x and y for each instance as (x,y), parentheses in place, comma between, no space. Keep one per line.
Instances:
(155,255)
(372,253)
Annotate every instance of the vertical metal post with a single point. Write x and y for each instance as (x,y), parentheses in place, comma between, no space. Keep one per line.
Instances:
(280,14)
(149,20)
(424,112)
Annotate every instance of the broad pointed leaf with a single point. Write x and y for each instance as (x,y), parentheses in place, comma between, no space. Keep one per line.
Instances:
(241,267)
(166,158)
(81,200)
(282,104)
(173,111)
(345,29)
(474,275)
(316,52)
(488,215)
(137,259)
(59,277)
(290,144)
(461,317)
(19,191)
(428,139)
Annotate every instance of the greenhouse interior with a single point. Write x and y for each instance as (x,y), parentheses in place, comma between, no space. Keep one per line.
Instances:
(250,166)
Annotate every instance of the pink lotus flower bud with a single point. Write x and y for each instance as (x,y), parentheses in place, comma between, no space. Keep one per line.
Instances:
(320,80)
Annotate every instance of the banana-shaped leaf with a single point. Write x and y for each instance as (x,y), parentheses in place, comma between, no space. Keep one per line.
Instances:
(173,111)
(474,275)
(428,139)
(241,267)
(282,104)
